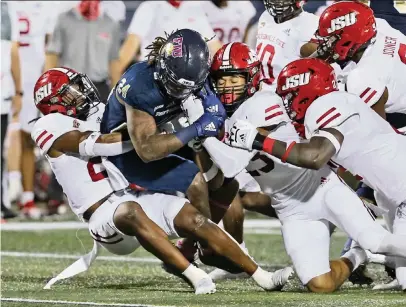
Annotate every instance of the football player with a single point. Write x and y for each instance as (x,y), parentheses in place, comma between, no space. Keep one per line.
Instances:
(229,19)
(282,31)
(155,18)
(340,127)
(36,19)
(67,135)
(305,200)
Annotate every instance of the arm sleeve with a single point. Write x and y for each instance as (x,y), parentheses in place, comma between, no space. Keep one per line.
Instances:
(369,87)
(49,128)
(115,44)
(142,19)
(230,160)
(56,43)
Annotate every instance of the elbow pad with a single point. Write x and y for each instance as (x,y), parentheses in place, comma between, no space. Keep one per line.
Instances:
(89,147)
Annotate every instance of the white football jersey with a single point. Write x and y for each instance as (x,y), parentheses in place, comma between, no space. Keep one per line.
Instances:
(279,44)
(9,34)
(230,22)
(35,20)
(288,186)
(371,148)
(84,180)
(383,65)
(154,18)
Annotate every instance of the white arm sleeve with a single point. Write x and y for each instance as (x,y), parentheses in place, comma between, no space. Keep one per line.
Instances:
(230,160)
(90,148)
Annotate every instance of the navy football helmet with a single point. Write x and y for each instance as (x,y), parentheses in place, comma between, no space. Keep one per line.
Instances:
(183,63)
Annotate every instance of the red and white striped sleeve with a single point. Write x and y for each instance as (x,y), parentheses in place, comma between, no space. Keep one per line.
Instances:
(328,111)
(49,128)
(369,88)
(265,109)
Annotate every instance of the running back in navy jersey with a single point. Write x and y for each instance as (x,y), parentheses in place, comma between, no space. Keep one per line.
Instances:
(138,89)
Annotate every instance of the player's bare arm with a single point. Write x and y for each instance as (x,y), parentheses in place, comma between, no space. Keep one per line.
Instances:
(149,145)
(314,154)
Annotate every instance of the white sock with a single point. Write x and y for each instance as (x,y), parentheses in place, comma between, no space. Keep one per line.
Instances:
(14,175)
(356,255)
(261,276)
(27,197)
(194,274)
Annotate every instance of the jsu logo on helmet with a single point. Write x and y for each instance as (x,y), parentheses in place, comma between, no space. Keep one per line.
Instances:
(342,22)
(296,80)
(43,92)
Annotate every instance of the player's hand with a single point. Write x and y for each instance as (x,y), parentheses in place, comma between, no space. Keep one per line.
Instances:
(208,125)
(16,106)
(242,135)
(211,103)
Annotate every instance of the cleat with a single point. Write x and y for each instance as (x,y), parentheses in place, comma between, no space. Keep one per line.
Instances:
(7,213)
(31,211)
(205,286)
(393,285)
(360,276)
(278,279)
(219,274)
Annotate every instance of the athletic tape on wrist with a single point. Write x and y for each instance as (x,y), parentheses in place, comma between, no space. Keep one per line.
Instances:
(211,173)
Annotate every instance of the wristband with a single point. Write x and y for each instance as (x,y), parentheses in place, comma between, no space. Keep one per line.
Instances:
(211,173)
(287,152)
(186,134)
(268,145)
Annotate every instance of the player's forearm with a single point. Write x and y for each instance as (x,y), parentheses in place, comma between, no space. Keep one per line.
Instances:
(15,67)
(157,146)
(51,61)
(304,155)
(115,72)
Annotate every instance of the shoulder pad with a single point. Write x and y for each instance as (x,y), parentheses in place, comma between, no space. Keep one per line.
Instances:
(365,85)
(264,109)
(50,127)
(328,111)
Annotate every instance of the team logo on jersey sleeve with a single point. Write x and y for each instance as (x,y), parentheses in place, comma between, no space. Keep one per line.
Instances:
(342,22)
(296,80)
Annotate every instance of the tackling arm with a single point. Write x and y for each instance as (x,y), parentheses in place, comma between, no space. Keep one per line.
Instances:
(90,144)
(314,154)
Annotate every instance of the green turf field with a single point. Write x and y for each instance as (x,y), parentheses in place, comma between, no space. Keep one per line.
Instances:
(146,283)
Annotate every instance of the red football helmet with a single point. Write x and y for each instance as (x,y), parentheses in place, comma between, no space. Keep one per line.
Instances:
(345,27)
(63,90)
(235,59)
(302,82)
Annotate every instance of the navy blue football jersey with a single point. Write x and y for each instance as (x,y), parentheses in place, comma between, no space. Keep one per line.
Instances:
(138,89)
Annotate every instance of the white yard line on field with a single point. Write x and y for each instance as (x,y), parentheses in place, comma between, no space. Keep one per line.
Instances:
(32,226)
(34,301)
(67,256)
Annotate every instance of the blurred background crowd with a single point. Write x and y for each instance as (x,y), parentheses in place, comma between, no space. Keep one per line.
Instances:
(101,39)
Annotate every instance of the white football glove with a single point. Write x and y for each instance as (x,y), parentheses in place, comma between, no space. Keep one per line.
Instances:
(242,135)
(193,108)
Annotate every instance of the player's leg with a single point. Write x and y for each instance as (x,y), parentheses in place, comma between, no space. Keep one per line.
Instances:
(28,172)
(307,244)
(6,213)
(14,161)
(224,249)
(121,225)
(347,211)
(399,228)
